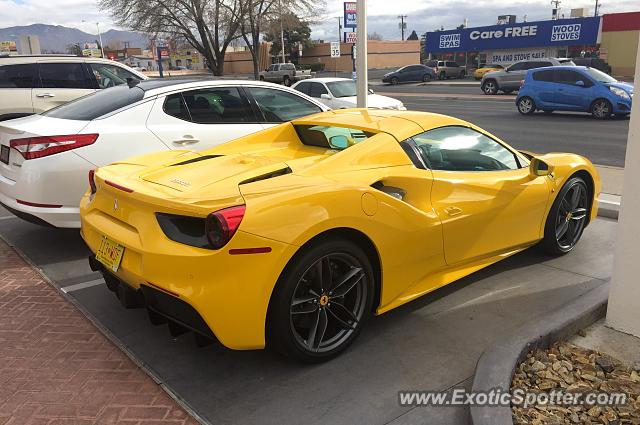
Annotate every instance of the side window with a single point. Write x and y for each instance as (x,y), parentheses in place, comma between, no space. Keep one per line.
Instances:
(22,76)
(457,148)
(174,105)
(110,75)
(273,68)
(217,105)
(452,64)
(303,87)
(518,66)
(547,76)
(571,78)
(317,89)
(69,75)
(542,64)
(280,106)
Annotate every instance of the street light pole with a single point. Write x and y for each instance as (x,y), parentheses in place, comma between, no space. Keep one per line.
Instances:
(281,32)
(361,57)
(100,38)
(401,17)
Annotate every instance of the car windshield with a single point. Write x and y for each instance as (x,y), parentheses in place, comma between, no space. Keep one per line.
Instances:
(97,104)
(329,137)
(345,88)
(600,76)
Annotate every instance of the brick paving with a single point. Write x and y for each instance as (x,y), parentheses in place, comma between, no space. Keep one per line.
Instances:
(57,368)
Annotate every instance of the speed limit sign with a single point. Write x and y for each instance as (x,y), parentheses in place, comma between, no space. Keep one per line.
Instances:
(335,49)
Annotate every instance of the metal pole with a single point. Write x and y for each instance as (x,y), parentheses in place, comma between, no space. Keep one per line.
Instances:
(281,31)
(335,60)
(402,24)
(595,13)
(100,38)
(361,57)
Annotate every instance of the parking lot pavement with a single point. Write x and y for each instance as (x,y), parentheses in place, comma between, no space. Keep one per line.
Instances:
(56,367)
(430,344)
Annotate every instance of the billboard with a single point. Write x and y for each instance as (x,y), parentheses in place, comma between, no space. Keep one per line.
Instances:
(350,14)
(8,46)
(559,32)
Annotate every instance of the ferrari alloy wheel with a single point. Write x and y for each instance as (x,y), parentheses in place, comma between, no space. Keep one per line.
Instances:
(322,303)
(568,217)
(526,105)
(601,109)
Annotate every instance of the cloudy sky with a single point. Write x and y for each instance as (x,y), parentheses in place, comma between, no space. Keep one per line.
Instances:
(422,15)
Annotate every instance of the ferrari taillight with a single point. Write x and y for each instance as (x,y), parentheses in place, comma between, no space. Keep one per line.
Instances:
(38,147)
(92,181)
(220,226)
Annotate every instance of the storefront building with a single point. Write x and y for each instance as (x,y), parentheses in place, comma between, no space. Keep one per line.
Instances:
(509,43)
(620,32)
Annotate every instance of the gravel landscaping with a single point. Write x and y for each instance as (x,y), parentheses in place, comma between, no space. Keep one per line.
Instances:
(571,369)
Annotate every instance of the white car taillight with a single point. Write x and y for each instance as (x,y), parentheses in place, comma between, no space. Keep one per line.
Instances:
(38,147)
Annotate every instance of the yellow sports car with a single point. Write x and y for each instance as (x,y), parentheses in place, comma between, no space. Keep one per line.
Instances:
(479,73)
(293,236)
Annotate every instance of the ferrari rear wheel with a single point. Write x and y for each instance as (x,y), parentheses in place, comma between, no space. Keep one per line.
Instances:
(321,302)
(567,219)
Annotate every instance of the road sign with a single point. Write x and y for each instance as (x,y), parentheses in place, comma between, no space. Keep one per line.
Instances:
(350,15)
(350,37)
(353,52)
(335,49)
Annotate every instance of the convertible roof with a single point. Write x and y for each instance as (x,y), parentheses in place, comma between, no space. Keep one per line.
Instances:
(399,124)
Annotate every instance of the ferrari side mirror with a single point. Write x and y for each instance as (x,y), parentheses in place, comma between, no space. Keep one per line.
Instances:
(538,167)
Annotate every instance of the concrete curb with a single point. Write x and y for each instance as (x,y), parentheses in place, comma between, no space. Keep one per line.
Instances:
(609,205)
(497,364)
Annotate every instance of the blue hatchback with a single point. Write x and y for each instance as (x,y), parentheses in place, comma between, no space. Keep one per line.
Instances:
(574,88)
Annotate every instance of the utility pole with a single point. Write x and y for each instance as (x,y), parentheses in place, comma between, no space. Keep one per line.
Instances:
(281,31)
(595,13)
(556,8)
(402,24)
(339,29)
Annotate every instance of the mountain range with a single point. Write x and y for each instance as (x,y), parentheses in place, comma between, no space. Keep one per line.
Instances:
(56,38)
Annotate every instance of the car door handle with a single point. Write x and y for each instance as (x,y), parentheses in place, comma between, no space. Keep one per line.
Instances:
(453,211)
(186,140)
(45,95)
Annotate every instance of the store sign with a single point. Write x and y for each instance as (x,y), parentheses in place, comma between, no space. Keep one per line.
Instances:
(560,32)
(8,46)
(510,57)
(350,15)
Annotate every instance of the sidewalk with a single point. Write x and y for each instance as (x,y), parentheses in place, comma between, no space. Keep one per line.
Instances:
(58,368)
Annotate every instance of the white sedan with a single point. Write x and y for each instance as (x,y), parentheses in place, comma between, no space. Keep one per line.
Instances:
(45,159)
(340,93)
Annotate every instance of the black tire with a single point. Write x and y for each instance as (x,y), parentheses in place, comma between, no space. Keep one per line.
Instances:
(565,210)
(548,111)
(261,78)
(286,81)
(490,87)
(462,74)
(442,76)
(601,109)
(426,78)
(526,105)
(394,81)
(508,91)
(290,324)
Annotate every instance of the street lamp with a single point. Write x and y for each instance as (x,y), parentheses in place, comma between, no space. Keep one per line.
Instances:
(99,37)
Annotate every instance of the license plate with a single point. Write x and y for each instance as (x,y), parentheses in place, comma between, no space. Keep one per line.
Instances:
(4,154)
(110,254)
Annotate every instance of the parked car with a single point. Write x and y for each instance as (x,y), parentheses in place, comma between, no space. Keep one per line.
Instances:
(340,93)
(291,238)
(45,158)
(34,84)
(139,68)
(596,63)
(485,68)
(508,80)
(574,88)
(410,73)
(285,73)
(447,69)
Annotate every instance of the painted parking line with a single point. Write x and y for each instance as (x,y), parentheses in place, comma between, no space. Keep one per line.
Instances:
(83,285)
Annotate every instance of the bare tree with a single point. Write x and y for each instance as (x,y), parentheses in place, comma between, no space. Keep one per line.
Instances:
(207,25)
(257,14)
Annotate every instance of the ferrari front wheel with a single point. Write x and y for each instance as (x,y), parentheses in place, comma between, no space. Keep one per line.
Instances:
(321,302)
(567,219)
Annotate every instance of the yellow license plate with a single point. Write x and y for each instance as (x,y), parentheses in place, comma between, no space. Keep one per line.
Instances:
(110,254)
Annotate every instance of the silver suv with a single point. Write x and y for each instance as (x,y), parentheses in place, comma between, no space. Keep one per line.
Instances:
(508,80)
(447,69)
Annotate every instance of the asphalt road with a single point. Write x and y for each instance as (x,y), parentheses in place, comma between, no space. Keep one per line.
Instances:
(603,142)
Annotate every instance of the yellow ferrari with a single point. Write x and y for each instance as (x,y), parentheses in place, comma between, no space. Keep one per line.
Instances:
(293,236)
(479,73)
